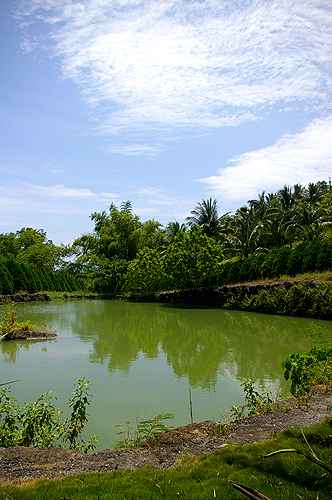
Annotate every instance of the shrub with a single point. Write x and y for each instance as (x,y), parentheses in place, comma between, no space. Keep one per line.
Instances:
(39,424)
(308,369)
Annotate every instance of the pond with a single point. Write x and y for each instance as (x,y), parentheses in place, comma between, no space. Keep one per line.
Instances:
(142,359)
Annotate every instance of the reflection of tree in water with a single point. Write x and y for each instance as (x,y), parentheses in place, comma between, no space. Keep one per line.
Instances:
(198,343)
(122,333)
(11,348)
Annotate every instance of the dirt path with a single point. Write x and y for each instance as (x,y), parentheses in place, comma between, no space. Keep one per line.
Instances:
(162,451)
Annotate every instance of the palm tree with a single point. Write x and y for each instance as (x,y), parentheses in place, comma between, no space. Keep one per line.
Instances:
(309,222)
(315,192)
(205,215)
(242,236)
(259,207)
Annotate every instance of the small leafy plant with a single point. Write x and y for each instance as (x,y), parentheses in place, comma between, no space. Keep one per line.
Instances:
(255,402)
(308,369)
(10,324)
(134,436)
(39,424)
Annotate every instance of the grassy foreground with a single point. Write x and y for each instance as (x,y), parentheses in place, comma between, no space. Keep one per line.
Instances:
(282,476)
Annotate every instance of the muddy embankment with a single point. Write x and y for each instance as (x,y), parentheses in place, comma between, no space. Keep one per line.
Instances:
(24,297)
(35,297)
(208,296)
(215,296)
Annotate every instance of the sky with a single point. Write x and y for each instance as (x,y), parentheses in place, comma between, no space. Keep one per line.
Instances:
(160,102)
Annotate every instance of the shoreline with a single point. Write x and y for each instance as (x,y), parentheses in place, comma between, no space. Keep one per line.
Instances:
(164,450)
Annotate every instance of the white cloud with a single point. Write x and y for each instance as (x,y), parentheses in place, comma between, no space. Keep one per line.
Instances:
(301,158)
(21,192)
(155,196)
(135,149)
(61,191)
(173,63)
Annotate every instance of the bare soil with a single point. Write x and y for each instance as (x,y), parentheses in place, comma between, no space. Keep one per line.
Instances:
(19,464)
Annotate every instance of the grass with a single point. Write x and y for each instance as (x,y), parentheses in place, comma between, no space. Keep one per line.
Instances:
(278,477)
(319,276)
(68,295)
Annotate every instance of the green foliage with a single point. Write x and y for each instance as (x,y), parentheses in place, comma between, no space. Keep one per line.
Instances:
(78,417)
(31,246)
(108,277)
(255,402)
(302,299)
(134,436)
(39,424)
(287,232)
(145,273)
(308,369)
(10,324)
(6,280)
(192,260)
(205,216)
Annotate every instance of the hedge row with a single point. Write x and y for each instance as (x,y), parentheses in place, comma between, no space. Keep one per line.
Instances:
(16,276)
(305,257)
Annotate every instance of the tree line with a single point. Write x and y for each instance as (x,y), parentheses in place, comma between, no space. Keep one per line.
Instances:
(286,232)
(29,262)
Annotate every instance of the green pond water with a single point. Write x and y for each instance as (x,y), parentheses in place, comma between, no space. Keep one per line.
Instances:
(142,359)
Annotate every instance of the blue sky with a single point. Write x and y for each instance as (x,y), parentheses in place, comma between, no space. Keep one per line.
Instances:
(161,102)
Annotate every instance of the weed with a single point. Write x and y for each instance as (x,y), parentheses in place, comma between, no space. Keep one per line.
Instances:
(255,402)
(183,456)
(10,324)
(136,435)
(39,424)
(191,408)
(222,429)
(308,369)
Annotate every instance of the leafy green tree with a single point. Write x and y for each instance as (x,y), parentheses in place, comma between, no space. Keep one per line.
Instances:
(151,235)
(117,232)
(18,275)
(6,280)
(145,272)
(109,277)
(9,245)
(192,260)
(314,193)
(172,229)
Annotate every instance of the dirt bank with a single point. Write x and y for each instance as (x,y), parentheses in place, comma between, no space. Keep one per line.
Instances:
(161,451)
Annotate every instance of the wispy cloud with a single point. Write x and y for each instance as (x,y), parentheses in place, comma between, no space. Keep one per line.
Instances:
(142,65)
(300,158)
(21,191)
(61,191)
(155,196)
(135,149)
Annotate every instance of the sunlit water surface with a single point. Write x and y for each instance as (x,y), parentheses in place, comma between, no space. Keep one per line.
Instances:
(142,359)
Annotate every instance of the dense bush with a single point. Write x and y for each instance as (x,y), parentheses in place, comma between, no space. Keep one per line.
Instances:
(305,257)
(308,369)
(298,300)
(18,276)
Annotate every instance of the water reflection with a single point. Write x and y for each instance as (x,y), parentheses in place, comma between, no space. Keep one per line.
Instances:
(199,344)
